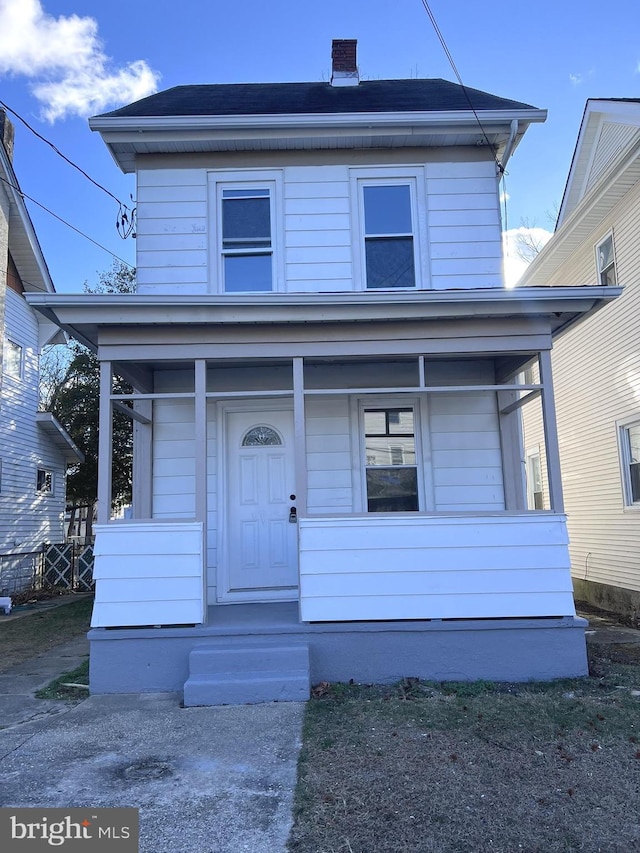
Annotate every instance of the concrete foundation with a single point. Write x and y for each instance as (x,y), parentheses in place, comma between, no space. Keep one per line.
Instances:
(157,659)
(622,602)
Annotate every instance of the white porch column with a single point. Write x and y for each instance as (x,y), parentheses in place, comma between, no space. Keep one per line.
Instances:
(105,443)
(300,436)
(200,416)
(551,432)
(513,475)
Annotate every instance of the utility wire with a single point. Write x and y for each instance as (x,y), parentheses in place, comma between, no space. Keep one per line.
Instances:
(64,222)
(126,215)
(459,78)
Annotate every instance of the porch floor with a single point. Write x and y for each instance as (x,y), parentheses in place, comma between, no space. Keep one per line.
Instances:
(157,659)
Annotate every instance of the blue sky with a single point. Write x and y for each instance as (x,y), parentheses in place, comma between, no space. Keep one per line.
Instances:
(62,60)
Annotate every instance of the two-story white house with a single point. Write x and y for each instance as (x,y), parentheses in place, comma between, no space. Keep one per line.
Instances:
(34,449)
(328,475)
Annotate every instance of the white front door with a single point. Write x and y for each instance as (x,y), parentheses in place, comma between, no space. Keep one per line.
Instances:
(262,534)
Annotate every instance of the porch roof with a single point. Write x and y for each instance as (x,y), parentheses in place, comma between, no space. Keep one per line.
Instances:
(83,315)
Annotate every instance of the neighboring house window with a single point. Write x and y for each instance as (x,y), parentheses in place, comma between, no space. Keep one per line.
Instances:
(13,359)
(606,262)
(629,437)
(391,474)
(44,482)
(535,496)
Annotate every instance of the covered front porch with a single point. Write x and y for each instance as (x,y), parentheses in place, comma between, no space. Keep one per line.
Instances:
(332,498)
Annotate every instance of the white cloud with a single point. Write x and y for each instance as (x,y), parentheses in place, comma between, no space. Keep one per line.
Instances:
(65,59)
(520,246)
(576,79)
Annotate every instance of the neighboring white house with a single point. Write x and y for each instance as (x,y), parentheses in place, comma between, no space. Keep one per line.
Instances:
(34,449)
(328,475)
(597,366)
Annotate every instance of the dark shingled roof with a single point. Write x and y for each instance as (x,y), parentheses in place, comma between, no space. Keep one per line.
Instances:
(236,99)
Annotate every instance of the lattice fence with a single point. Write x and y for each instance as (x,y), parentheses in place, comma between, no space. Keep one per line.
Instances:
(69,566)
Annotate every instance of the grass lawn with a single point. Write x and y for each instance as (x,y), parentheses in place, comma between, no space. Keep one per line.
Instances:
(21,639)
(474,767)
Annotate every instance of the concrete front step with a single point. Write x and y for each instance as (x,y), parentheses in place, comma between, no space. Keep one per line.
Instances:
(229,674)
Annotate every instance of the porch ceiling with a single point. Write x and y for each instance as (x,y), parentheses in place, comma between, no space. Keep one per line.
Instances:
(84,315)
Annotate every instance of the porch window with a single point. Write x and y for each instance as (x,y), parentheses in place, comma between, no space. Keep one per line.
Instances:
(629,437)
(391,473)
(246,243)
(389,252)
(606,262)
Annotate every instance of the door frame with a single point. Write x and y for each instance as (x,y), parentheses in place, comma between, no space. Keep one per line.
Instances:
(223,409)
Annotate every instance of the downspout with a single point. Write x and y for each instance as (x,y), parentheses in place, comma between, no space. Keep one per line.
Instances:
(508,149)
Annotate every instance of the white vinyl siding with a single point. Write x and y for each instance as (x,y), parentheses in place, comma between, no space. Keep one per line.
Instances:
(173,459)
(597,385)
(172,231)
(465,450)
(436,568)
(148,573)
(464,225)
(614,136)
(329,456)
(459,225)
(317,229)
(28,518)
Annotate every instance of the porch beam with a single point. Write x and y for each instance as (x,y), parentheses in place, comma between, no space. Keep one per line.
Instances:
(300,437)
(476,345)
(105,443)
(518,403)
(133,414)
(427,389)
(551,432)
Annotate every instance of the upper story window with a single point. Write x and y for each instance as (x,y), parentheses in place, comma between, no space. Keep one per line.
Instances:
(389,236)
(247,251)
(244,207)
(606,262)
(13,359)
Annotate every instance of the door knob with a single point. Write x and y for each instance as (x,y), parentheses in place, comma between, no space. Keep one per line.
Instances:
(293,515)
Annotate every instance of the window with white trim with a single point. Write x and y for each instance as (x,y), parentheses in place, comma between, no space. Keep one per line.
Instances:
(390,232)
(44,482)
(245,208)
(390,463)
(629,441)
(13,359)
(606,263)
(535,494)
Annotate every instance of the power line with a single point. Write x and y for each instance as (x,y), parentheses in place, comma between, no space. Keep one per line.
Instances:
(64,222)
(126,215)
(459,78)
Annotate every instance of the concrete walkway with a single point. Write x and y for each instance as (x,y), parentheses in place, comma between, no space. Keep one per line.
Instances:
(211,780)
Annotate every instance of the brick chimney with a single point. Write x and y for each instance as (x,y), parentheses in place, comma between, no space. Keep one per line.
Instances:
(6,134)
(344,71)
